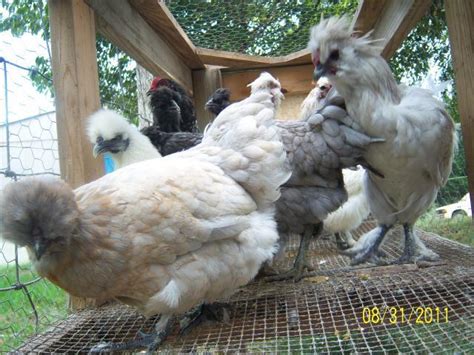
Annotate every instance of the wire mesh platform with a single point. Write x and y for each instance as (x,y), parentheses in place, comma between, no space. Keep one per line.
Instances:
(338,308)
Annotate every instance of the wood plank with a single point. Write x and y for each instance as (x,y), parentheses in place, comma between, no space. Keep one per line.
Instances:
(159,17)
(239,60)
(295,79)
(396,21)
(121,24)
(367,14)
(76,84)
(206,81)
(460,15)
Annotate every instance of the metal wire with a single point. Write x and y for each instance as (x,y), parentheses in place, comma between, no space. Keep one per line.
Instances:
(319,314)
(23,138)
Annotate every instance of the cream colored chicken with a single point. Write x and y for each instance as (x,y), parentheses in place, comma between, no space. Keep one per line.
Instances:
(162,235)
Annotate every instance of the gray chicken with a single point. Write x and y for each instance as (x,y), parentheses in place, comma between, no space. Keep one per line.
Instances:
(317,151)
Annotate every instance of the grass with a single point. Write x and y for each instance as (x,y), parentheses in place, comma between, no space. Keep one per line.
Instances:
(459,229)
(17,320)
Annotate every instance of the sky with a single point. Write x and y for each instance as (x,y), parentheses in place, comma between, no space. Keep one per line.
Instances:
(23,99)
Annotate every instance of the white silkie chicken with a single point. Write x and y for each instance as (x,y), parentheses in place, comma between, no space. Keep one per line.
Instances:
(313,101)
(111,133)
(416,157)
(356,209)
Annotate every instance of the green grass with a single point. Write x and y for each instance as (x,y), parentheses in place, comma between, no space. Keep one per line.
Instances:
(17,320)
(460,229)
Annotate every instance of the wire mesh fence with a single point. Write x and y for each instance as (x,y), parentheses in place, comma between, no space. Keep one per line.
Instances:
(28,146)
(402,309)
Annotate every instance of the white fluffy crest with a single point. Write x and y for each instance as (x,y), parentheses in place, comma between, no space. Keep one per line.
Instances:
(266,82)
(108,124)
(338,29)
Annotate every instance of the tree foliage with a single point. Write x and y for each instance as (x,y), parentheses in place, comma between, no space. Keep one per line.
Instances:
(116,70)
(260,27)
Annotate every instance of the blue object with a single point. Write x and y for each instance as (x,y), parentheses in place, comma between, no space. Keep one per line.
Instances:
(108,163)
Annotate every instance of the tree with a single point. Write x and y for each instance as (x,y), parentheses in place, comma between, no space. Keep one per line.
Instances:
(117,83)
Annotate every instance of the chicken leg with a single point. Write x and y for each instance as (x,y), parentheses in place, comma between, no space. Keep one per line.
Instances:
(414,249)
(301,263)
(366,248)
(344,240)
(151,341)
(216,312)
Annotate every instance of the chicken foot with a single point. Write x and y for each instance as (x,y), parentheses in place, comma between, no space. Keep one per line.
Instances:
(367,250)
(216,312)
(414,249)
(344,240)
(151,341)
(301,263)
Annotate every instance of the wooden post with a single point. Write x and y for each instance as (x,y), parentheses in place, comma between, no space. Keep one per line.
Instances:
(460,17)
(205,82)
(76,85)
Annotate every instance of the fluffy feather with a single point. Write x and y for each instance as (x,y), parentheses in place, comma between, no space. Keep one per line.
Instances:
(166,234)
(218,101)
(110,132)
(317,149)
(419,134)
(314,99)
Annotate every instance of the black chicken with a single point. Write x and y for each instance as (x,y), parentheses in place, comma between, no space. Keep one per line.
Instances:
(173,109)
(218,101)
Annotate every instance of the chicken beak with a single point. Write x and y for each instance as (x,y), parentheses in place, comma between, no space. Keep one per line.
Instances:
(319,72)
(113,146)
(39,249)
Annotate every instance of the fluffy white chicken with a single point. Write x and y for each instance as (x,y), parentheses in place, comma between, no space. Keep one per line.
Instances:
(416,157)
(111,132)
(353,212)
(162,235)
(313,101)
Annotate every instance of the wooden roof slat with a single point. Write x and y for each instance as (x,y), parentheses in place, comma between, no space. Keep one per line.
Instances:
(391,20)
(160,19)
(121,24)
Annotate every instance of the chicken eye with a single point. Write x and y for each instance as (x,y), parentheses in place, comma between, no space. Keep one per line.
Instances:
(334,55)
(323,87)
(119,137)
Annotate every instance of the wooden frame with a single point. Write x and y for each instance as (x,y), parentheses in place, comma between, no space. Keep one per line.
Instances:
(147,31)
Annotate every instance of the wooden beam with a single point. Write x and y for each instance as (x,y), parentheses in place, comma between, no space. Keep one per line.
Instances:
(76,84)
(390,20)
(367,14)
(239,60)
(460,15)
(295,79)
(159,17)
(206,81)
(121,24)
